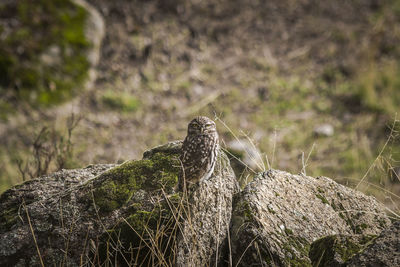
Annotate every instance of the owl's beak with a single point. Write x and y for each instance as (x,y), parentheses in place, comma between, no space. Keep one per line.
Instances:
(202,130)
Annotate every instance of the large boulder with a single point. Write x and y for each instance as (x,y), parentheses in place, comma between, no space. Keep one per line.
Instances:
(126,215)
(278,215)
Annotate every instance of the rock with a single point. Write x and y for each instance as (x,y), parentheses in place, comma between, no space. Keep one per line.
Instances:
(279,215)
(60,215)
(324,130)
(384,250)
(205,229)
(128,214)
(94,31)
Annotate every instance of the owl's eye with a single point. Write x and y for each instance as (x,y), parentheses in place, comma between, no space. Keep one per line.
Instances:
(209,125)
(194,127)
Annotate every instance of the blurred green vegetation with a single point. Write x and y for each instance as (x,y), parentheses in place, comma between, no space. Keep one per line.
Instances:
(378,88)
(42,51)
(361,108)
(45,150)
(124,102)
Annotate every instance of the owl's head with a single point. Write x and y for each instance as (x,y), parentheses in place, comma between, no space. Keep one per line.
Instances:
(201,125)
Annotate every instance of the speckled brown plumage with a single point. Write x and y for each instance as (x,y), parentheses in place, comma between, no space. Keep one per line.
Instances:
(199,151)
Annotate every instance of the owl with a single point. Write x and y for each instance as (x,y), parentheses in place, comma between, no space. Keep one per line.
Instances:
(199,151)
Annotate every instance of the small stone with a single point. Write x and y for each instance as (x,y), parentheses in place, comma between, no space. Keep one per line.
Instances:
(324,130)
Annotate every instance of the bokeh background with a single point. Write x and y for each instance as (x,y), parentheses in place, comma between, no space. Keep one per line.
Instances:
(303,86)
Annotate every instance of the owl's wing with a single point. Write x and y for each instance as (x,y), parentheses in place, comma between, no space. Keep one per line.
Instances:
(191,148)
(194,154)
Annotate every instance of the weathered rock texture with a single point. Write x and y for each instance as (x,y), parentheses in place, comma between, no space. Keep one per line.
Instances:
(278,215)
(124,215)
(335,250)
(358,250)
(384,250)
(60,216)
(207,224)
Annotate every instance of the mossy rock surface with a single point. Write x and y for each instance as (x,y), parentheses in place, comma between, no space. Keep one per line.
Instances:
(83,204)
(383,251)
(117,186)
(162,226)
(335,250)
(145,190)
(43,51)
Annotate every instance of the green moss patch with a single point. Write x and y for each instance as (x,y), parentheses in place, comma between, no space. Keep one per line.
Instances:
(120,101)
(297,249)
(335,250)
(147,236)
(42,50)
(323,199)
(8,218)
(117,186)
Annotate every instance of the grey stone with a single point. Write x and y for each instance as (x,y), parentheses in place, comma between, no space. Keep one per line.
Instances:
(278,215)
(324,130)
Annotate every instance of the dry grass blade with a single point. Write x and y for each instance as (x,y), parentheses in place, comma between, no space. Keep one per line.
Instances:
(257,162)
(33,234)
(177,214)
(237,139)
(392,131)
(229,244)
(378,187)
(304,163)
(363,211)
(244,252)
(233,156)
(203,102)
(105,229)
(273,151)
(152,246)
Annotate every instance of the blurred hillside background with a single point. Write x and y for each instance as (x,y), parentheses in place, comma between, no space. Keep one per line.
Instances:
(314,85)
